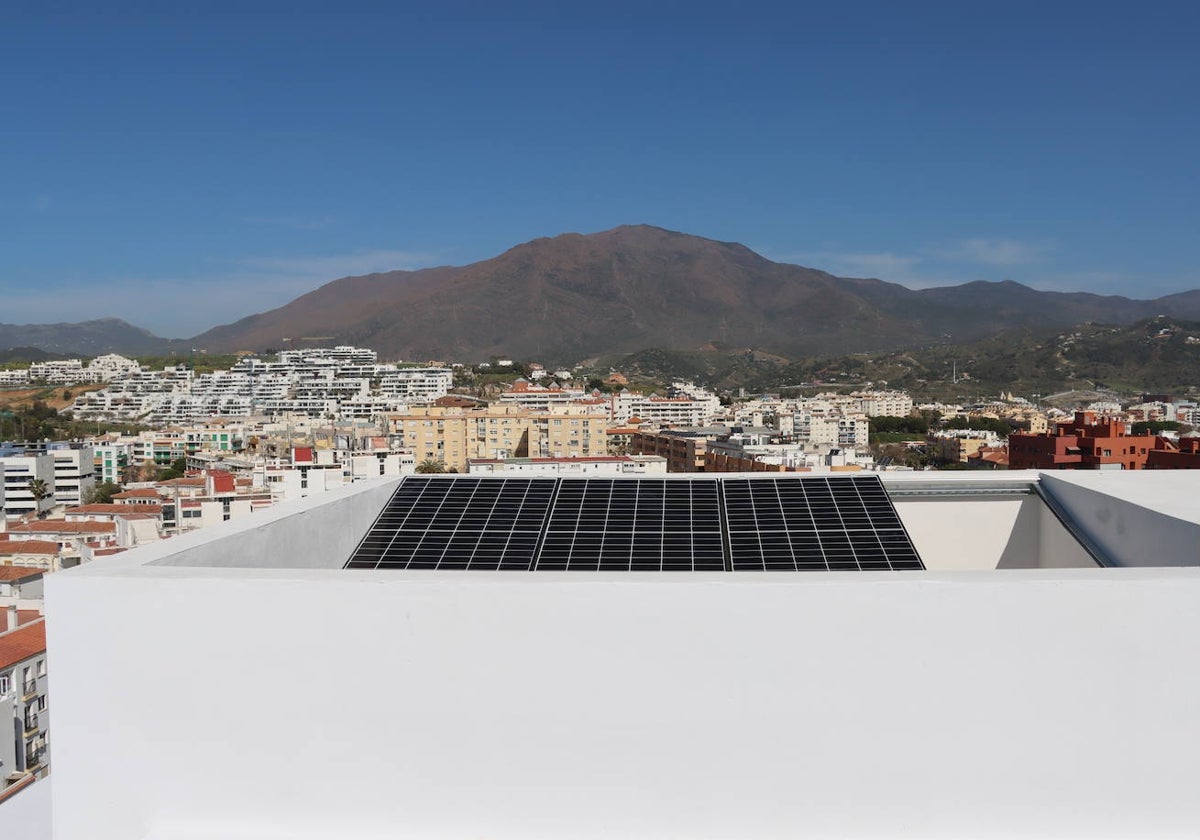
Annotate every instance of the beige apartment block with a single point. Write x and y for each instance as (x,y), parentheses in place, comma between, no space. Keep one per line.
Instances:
(453,434)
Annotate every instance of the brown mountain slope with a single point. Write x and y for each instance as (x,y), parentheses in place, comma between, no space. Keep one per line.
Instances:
(571,296)
(336,308)
(576,295)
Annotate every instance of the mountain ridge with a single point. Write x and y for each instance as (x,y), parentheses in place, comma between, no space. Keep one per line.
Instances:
(573,296)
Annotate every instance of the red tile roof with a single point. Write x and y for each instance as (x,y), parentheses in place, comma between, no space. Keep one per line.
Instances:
(10,547)
(11,574)
(140,493)
(122,510)
(22,643)
(182,482)
(58,526)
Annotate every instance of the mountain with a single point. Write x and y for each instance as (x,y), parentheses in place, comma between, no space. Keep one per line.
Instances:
(26,355)
(1155,354)
(86,338)
(573,296)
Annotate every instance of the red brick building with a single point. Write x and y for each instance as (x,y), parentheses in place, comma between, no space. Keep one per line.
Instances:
(1086,443)
(1184,456)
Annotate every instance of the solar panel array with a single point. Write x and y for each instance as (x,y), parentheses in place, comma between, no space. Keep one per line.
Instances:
(638,524)
(815,524)
(461,523)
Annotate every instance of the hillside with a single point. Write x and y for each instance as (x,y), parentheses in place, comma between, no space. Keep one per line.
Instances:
(573,296)
(1156,354)
(86,338)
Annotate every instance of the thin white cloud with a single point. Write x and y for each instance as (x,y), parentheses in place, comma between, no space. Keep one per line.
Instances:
(340,265)
(182,306)
(958,262)
(993,252)
(882,265)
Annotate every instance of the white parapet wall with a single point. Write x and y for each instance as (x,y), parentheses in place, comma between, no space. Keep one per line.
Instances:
(1147,518)
(200,701)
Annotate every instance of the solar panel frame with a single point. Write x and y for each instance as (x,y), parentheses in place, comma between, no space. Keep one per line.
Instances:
(815,524)
(647,524)
(458,523)
(759,523)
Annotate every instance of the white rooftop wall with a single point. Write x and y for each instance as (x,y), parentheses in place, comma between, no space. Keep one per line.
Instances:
(360,704)
(305,703)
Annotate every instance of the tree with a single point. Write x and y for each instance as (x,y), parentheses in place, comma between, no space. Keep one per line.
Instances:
(101,494)
(431,466)
(178,469)
(39,489)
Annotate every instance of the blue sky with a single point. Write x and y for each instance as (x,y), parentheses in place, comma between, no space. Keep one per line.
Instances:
(183,166)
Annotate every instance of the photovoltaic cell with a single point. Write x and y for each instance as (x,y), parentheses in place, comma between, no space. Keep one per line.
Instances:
(815,524)
(461,523)
(633,525)
(638,524)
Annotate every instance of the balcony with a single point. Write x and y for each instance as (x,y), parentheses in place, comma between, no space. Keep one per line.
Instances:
(31,727)
(29,689)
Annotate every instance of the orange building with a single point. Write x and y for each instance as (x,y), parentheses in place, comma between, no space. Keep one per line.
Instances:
(1185,456)
(1086,443)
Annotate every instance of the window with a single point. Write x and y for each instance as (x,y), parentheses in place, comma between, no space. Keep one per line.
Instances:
(5,684)
(41,668)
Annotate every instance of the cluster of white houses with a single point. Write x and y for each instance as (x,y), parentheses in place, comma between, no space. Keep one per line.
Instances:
(343,383)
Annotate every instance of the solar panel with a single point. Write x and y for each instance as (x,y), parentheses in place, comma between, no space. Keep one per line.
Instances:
(633,525)
(638,524)
(815,524)
(460,523)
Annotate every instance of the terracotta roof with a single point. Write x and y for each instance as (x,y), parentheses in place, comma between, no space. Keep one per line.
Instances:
(122,510)
(11,574)
(182,482)
(22,643)
(11,547)
(140,493)
(58,526)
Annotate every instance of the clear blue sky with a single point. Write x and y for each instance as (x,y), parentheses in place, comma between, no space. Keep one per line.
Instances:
(183,165)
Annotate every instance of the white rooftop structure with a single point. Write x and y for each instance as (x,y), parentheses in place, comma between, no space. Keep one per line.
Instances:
(238,682)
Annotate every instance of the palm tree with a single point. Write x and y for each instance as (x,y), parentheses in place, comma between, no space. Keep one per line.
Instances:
(39,489)
(431,465)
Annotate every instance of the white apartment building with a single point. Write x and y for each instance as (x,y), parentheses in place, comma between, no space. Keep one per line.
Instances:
(24,722)
(109,367)
(14,378)
(539,397)
(74,474)
(664,411)
(19,471)
(602,465)
(64,372)
(884,403)
(417,384)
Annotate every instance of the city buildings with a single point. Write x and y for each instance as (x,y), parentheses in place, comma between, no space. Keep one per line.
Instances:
(28,484)
(1089,442)
(24,722)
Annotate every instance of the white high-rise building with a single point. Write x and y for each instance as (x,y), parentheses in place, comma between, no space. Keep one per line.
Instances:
(19,473)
